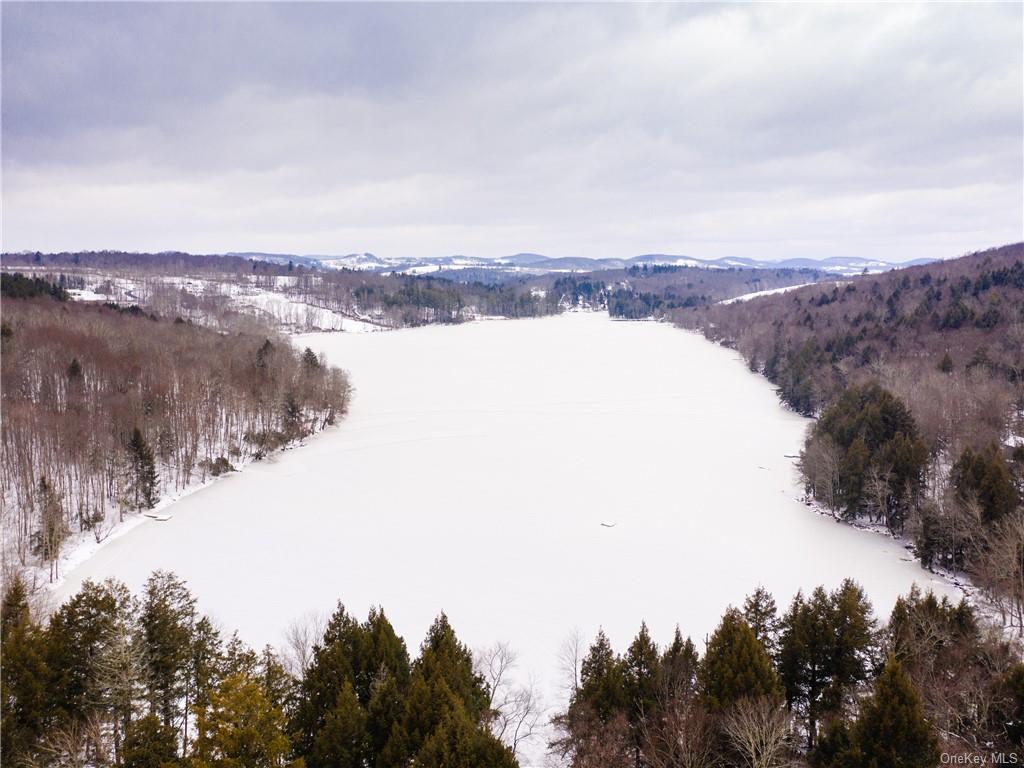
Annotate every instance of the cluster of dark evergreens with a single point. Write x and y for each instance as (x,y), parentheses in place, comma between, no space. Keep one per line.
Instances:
(424,299)
(147,682)
(579,290)
(631,304)
(868,444)
(655,290)
(865,457)
(821,684)
(114,680)
(659,290)
(18,286)
(105,409)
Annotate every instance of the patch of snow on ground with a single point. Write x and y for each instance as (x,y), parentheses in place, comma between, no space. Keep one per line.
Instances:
(756,294)
(79,294)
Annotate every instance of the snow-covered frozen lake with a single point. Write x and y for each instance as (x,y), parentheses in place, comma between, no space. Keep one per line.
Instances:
(474,472)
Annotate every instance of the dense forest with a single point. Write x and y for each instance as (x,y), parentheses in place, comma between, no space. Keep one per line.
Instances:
(917,377)
(106,409)
(654,291)
(901,324)
(112,679)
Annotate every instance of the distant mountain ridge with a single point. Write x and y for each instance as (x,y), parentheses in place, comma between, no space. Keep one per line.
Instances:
(535,263)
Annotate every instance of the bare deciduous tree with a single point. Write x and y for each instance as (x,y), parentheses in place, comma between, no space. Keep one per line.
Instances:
(300,637)
(759,730)
(516,710)
(570,657)
(820,464)
(680,733)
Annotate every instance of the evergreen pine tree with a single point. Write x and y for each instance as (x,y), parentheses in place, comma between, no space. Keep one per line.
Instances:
(384,713)
(891,731)
(397,749)
(205,661)
(641,675)
(149,743)
(602,681)
(986,477)
(291,415)
(855,645)
(446,710)
(264,354)
(456,743)
(167,620)
(426,704)
(342,742)
(875,430)
(444,657)
(853,475)
(761,613)
(835,748)
(14,608)
(361,655)
(278,685)
(679,664)
(642,669)
(238,658)
(382,651)
(736,665)
(240,727)
(76,635)
(325,677)
(806,654)
(26,698)
(310,361)
(144,479)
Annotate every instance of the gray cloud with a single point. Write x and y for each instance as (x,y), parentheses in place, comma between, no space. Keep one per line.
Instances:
(431,129)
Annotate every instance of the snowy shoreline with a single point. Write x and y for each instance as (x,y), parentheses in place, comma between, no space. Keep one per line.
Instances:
(82,546)
(958,581)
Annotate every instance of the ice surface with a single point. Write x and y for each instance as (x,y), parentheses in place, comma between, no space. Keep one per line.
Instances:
(473,476)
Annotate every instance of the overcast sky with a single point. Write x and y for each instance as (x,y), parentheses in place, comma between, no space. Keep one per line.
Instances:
(890,131)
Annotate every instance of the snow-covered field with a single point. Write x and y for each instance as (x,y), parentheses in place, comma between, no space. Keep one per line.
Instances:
(473,476)
(769,292)
(289,310)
